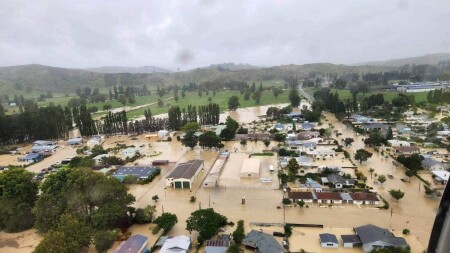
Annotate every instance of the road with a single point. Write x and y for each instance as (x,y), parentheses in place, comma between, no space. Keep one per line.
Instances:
(306,95)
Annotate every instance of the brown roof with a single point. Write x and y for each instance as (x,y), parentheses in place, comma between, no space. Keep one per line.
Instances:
(406,148)
(186,170)
(364,196)
(300,195)
(328,195)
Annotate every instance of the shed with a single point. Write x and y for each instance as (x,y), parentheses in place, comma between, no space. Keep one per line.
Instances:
(134,244)
(328,240)
(250,168)
(184,174)
(74,141)
(350,241)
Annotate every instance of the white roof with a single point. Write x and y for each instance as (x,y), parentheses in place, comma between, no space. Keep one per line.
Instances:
(443,174)
(179,244)
(251,165)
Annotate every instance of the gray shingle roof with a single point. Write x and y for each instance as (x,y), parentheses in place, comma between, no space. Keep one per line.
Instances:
(137,171)
(328,238)
(265,243)
(350,239)
(186,170)
(370,233)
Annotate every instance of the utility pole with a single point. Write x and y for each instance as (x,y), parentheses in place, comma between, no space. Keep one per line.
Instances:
(209,200)
(390,220)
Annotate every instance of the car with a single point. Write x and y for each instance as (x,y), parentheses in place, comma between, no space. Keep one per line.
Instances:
(390,176)
(279,234)
(404,180)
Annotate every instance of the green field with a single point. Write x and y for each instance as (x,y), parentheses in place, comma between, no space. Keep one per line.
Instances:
(221,98)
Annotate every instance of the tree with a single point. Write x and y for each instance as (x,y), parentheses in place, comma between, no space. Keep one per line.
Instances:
(301,203)
(266,142)
(239,233)
(396,194)
(155,198)
(160,103)
(166,221)
(189,140)
(145,215)
(191,127)
(362,155)
(389,134)
(348,141)
(363,87)
(70,236)
(104,240)
(287,230)
(412,162)
(210,139)
(233,103)
(243,142)
(293,167)
(257,97)
(206,222)
(97,150)
(229,132)
(122,99)
(381,179)
(234,248)
(371,170)
(71,191)
(18,193)
(294,97)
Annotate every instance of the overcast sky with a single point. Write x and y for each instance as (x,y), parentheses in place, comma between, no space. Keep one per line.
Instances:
(185,34)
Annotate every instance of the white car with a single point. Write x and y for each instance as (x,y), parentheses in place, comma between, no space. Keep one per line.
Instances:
(266,180)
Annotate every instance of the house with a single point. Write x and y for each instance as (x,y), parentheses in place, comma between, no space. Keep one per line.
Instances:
(329,198)
(139,172)
(305,161)
(307,135)
(43,148)
(44,143)
(398,143)
(419,87)
(307,126)
(373,237)
(321,153)
(301,145)
(328,240)
(337,181)
(360,119)
(134,244)
(250,168)
(294,115)
(32,158)
(177,244)
(130,152)
(262,242)
(219,245)
(374,126)
(432,164)
(74,141)
(400,150)
(183,176)
(364,198)
(307,197)
(441,176)
(312,185)
(98,159)
(279,127)
(350,241)
(346,198)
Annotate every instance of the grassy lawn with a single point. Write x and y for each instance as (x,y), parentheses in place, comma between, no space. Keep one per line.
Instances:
(221,99)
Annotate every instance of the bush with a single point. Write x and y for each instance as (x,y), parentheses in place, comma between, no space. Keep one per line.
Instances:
(287,201)
(193,199)
(406,231)
(169,138)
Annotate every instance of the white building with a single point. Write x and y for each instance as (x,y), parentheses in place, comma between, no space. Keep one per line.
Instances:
(398,143)
(328,241)
(183,176)
(250,167)
(130,152)
(177,244)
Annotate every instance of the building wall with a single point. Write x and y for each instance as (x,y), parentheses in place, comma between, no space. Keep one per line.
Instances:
(348,245)
(329,245)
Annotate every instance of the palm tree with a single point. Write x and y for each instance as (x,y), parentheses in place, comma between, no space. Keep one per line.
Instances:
(371,170)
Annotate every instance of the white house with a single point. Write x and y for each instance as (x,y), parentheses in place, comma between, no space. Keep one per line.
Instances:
(398,143)
(177,244)
(95,140)
(328,241)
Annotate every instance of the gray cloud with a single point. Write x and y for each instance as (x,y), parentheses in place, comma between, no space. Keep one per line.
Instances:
(187,34)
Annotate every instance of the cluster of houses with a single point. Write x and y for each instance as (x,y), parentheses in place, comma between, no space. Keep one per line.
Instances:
(322,197)
(44,148)
(369,237)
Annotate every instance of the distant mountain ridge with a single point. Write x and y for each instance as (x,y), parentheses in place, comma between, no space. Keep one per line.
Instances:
(134,70)
(44,78)
(419,60)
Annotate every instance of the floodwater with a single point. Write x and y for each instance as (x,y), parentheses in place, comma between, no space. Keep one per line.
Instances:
(415,211)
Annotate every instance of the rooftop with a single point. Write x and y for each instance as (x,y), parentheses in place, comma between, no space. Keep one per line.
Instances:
(370,233)
(132,245)
(186,170)
(265,243)
(328,238)
(350,239)
(137,171)
(364,196)
(328,195)
(300,195)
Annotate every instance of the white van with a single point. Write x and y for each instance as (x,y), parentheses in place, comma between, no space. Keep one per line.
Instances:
(271,169)
(266,180)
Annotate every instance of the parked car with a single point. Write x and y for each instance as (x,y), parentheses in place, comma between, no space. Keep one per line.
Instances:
(390,176)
